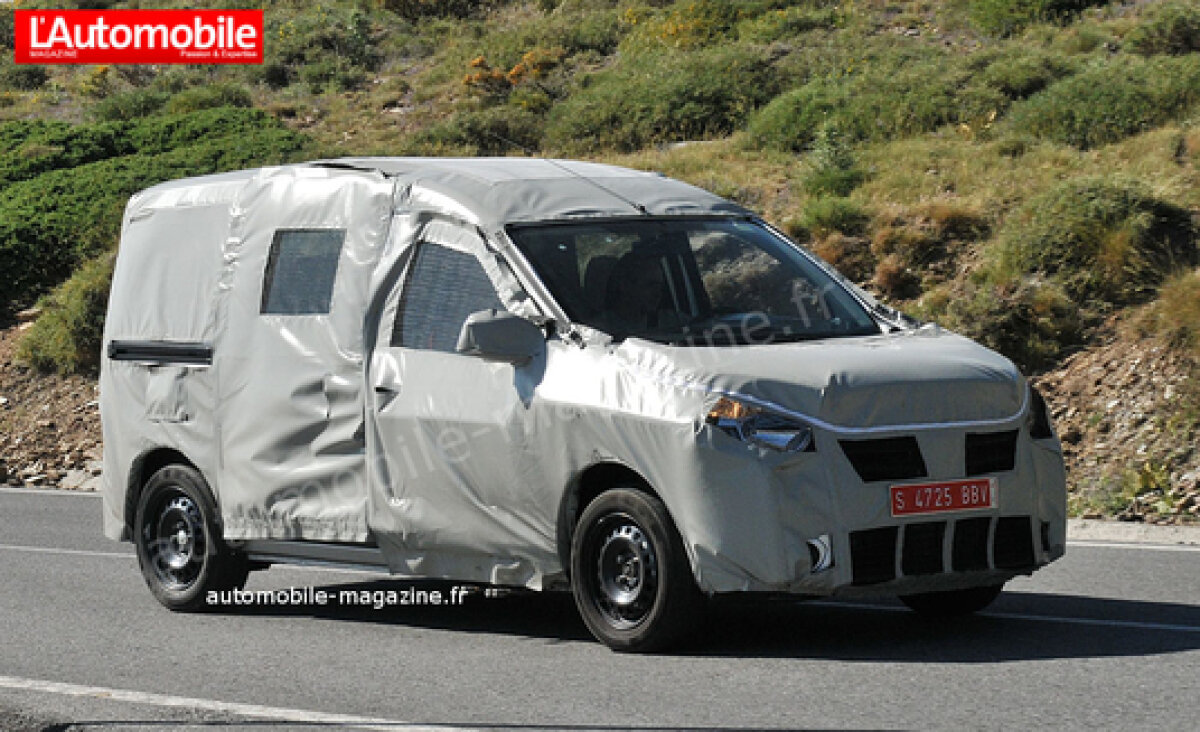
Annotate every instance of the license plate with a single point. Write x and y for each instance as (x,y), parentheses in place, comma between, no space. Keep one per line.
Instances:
(949,495)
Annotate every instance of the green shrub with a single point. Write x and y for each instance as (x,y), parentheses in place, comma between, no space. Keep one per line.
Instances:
(684,25)
(1175,315)
(321,46)
(834,169)
(1111,102)
(1029,320)
(1020,72)
(30,148)
(209,97)
(787,23)
(51,222)
(1103,241)
(669,97)
(880,103)
(1170,27)
(22,77)
(492,131)
(67,336)
(129,105)
(415,10)
(828,214)
(1007,17)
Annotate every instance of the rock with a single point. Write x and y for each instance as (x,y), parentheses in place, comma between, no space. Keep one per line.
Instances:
(91,485)
(74,480)
(1071,435)
(28,315)
(36,480)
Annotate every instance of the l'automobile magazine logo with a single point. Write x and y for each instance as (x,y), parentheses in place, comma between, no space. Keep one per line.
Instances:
(139,36)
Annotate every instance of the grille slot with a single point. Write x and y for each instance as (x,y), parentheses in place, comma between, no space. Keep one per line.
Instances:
(970,546)
(873,555)
(890,458)
(923,548)
(1013,547)
(991,452)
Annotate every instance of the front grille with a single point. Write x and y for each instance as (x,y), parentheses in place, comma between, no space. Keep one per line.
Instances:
(970,546)
(873,555)
(991,452)
(923,548)
(890,458)
(1013,547)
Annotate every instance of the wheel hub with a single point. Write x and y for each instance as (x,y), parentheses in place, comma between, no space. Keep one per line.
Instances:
(175,541)
(625,563)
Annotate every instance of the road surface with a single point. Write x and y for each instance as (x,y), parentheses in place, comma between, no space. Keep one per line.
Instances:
(1108,637)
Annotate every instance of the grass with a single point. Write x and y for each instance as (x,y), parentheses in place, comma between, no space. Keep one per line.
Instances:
(1111,101)
(67,336)
(944,154)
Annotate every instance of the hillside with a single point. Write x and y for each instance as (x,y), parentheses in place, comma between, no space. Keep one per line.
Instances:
(1022,171)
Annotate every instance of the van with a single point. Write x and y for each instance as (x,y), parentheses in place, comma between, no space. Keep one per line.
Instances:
(547,375)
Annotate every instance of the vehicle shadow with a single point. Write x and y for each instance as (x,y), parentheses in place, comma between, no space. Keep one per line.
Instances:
(1020,626)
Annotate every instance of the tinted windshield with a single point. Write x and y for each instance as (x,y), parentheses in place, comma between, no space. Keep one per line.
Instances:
(690,282)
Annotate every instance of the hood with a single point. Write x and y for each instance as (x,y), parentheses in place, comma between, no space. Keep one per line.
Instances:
(919,377)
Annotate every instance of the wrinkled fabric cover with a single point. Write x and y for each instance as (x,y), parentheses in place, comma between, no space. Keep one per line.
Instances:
(314,427)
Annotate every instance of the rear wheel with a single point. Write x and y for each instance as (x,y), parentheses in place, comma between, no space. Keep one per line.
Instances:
(179,545)
(630,574)
(952,603)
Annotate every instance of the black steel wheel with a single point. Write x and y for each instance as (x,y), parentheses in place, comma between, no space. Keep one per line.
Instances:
(630,575)
(952,603)
(179,545)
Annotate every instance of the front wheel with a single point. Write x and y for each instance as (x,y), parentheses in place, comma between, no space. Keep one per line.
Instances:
(630,574)
(952,603)
(179,546)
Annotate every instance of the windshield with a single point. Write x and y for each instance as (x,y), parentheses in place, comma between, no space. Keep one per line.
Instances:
(690,282)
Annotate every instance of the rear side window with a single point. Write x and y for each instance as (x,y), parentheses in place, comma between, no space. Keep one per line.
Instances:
(301,271)
(443,287)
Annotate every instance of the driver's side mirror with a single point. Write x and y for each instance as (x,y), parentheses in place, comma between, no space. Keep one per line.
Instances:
(497,335)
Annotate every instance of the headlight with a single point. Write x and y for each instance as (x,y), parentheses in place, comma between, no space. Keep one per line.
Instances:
(760,427)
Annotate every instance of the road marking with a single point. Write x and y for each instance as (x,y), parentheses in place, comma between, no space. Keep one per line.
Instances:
(48,491)
(73,552)
(1126,624)
(1135,545)
(131,555)
(281,714)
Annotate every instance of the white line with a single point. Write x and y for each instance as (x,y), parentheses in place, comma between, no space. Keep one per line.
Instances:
(48,491)
(1135,545)
(56,550)
(211,705)
(1128,624)
(382,573)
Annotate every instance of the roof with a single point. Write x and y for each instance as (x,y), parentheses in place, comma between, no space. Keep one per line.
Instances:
(491,192)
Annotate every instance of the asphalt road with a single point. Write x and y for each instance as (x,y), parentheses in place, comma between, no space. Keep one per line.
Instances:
(1107,638)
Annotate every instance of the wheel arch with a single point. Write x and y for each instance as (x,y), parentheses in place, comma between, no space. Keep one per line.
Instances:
(583,488)
(143,468)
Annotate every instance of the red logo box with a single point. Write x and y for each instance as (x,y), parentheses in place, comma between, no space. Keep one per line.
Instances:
(139,36)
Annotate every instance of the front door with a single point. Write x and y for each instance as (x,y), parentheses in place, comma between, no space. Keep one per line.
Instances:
(459,494)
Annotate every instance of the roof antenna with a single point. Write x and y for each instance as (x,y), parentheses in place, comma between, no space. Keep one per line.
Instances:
(633,204)
(558,164)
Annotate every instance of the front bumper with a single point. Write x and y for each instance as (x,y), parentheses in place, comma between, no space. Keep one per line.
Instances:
(764,520)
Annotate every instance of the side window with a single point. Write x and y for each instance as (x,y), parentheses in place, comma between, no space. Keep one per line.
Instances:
(301,270)
(442,288)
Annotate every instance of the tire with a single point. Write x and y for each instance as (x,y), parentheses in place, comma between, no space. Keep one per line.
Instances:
(630,574)
(179,545)
(953,603)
